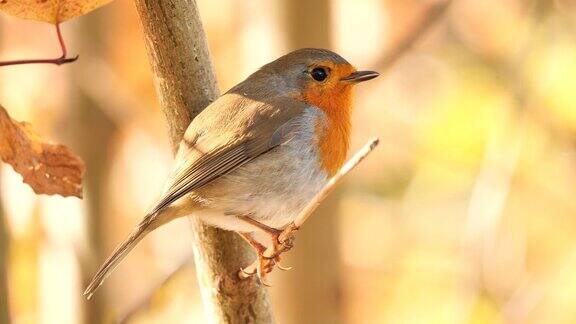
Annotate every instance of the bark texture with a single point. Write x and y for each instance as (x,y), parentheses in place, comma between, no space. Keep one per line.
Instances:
(185,83)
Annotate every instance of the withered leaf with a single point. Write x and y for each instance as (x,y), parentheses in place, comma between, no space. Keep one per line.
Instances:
(48,168)
(51,11)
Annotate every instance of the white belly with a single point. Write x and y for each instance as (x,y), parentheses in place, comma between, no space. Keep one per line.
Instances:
(272,188)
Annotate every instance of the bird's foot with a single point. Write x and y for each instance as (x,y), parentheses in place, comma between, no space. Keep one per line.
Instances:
(268,258)
(261,268)
(283,241)
(263,265)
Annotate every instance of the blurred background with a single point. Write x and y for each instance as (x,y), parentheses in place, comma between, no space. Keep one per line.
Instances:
(466,213)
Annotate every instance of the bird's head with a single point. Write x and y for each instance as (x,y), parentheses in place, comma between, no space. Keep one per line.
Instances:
(323,78)
(317,76)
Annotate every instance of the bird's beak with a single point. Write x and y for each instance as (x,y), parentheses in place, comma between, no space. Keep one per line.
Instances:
(360,76)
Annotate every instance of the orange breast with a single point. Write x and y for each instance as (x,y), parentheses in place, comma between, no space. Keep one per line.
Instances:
(335,99)
(334,135)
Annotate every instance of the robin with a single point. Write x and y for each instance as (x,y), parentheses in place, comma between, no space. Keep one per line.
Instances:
(254,157)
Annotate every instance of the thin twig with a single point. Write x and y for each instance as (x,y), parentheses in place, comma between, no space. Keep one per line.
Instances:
(145,302)
(429,18)
(62,59)
(288,233)
(320,196)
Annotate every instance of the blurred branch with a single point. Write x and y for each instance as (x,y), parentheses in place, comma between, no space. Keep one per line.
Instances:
(185,82)
(307,296)
(492,187)
(145,302)
(62,59)
(116,99)
(496,175)
(91,132)
(429,18)
(524,299)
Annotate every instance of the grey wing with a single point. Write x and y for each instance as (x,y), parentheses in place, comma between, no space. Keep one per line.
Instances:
(200,168)
(209,167)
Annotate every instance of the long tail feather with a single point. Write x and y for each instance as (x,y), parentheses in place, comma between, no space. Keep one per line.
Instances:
(145,227)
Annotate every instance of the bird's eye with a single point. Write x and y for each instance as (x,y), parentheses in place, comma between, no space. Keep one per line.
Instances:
(319,74)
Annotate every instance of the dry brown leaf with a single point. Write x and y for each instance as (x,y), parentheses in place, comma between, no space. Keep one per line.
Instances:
(48,168)
(52,11)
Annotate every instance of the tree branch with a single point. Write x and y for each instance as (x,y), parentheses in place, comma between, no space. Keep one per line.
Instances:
(62,59)
(145,302)
(185,82)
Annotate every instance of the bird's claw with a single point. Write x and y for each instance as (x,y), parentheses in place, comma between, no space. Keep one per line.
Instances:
(286,244)
(283,268)
(265,264)
(262,270)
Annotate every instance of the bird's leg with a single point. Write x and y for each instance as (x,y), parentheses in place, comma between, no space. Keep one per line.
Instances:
(265,264)
(280,246)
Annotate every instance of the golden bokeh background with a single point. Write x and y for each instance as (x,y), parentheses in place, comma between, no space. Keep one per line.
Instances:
(466,212)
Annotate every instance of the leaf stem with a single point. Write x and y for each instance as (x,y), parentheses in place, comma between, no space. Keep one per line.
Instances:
(62,59)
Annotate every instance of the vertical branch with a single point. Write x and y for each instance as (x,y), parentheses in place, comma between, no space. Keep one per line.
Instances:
(501,158)
(90,132)
(311,292)
(185,83)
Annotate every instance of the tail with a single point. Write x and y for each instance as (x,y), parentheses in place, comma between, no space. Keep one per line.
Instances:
(149,223)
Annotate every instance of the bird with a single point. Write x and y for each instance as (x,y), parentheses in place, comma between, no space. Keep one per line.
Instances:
(253,158)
